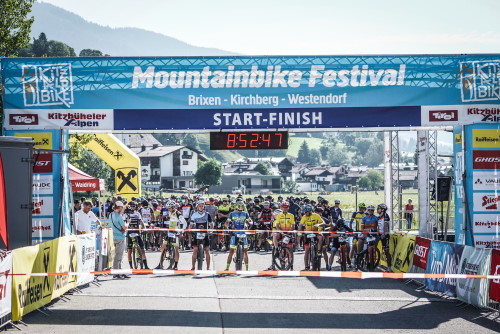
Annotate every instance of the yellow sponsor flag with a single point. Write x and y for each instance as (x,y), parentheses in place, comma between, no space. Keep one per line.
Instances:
(65,249)
(30,293)
(393,241)
(403,255)
(486,138)
(123,160)
(41,139)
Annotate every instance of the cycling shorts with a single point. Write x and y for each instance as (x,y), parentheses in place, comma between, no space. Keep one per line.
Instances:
(205,241)
(385,241)
(138,239)
(234,241)
(172,237)
(307,240)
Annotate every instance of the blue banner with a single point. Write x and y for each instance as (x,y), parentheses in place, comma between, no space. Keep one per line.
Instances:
(443,258)
(295,92)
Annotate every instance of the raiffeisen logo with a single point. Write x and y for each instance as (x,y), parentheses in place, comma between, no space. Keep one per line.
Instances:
(268,77)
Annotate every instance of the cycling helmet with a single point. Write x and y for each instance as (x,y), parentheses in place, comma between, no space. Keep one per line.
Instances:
(340,223)
(200,203)
(382,206)
(319,209)
(132,203)
(361,205)
(211,199)
(307,208)
(145,203)
(277,212)
(337,201)
(171,204)
(370,207)
(280,197)
(133,198)
(266,203)
(285,205)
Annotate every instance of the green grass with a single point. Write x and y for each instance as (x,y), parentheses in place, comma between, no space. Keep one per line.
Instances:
(296,142)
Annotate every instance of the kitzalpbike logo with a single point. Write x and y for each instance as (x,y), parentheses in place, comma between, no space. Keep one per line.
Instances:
(490,202)
(443,115)
(47,85)
(480,80)
(22,119)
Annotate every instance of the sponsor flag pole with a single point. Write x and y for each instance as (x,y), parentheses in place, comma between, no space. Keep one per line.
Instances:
(3,208)
(468,228)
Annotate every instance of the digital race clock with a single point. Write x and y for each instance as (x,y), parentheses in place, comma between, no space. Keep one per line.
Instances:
(261,140)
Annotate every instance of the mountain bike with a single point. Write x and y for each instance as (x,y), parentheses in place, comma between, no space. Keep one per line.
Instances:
(369,258)
(200,237)
(343,252)
(283,257)
(238,259)
(136,252)
(314,257)
(168,252)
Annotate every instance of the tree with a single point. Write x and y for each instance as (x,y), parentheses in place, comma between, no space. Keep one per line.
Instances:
(263,168)
(376,179)
(59,49)
(91,164)
(314,157)
(324,152)
(375,154)
(364,182)
(209,173)
(303,155)
(190,140)
(338,157)
(15,25)
(362,146)
(90,53)
(40,46)
(288,187)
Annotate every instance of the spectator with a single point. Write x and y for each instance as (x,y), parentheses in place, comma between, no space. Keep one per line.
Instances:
(84,219)
(119,228)
(408,213)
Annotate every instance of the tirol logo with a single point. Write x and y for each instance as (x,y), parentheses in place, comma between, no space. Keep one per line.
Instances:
(46,85)
(490,202)
(486,159)
(443,115)
(22,119)
(480,80)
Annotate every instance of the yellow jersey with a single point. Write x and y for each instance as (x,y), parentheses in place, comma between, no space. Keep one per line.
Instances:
(310,221)
(286,221)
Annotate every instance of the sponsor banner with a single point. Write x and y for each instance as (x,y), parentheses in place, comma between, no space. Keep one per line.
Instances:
(487,223)
(42,163)
(421,252)
(495,270)
(42,184)
(41,139)
(75,119)
(161,84)
(486,138)
(111,248)
(486,201)
(443,258)
(486,180)
(88,185)
(486,159)
(42,206)
(104,241)
(32,292)
(403,254)
(6,288)
(42,228)
(451,115)
(487,241)
(459,171)
(66,261)
(474,261)
(86,255)
(393,241)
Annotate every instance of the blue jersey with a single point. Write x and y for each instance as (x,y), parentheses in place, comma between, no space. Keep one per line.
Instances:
(238,219)
(370,223)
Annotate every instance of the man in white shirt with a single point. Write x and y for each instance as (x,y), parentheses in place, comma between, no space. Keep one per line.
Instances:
(84,219)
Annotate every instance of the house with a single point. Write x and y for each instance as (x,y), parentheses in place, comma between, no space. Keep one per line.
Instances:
(248,182)
(138,142)
(298,170)
(169,167)
(282,166)
(354,174)
(319,175)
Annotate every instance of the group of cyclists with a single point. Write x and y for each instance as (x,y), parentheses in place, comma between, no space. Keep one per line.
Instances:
(156,222)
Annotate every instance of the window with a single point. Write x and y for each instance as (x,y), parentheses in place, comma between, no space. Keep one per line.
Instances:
(185,162)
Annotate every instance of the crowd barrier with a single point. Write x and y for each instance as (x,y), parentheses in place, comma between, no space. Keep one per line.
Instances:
(31,277)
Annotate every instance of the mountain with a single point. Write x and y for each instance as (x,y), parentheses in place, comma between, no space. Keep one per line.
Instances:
(64,26)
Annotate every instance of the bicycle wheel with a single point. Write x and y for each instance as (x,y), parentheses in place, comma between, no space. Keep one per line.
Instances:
(200,256)
(170,255)
(134,257)
(343,258)
(313,257)
(265,242)
(360,261)
(286,258)
(371,259)
(239,257)
(163,255)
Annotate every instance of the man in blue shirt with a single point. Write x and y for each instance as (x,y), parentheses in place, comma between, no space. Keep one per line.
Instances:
(238,220)
(119,232)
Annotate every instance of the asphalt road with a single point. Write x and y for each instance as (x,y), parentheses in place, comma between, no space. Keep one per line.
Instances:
(197,304)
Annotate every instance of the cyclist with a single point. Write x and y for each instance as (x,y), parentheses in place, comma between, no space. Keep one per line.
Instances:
(134,219)
(355,224)
(311,222)
(284,221)
(222,214)
(265,218)
(383,226)
(239,220)
(335,211)
(338,227)
(187,211)
(326,243)
(174,219)
(201,219)
(147,215)
(369,224)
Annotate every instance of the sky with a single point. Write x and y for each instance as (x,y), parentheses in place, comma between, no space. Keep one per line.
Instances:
(308,27)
